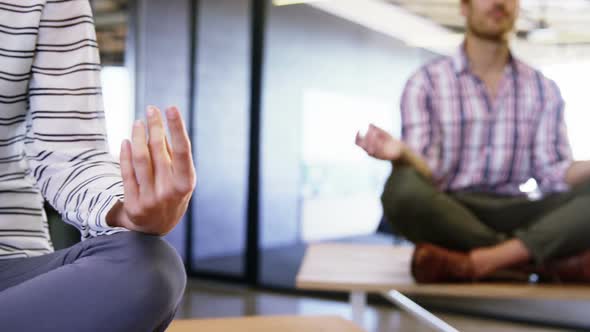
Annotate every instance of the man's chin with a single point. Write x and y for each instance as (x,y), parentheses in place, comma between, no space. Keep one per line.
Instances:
(491,35)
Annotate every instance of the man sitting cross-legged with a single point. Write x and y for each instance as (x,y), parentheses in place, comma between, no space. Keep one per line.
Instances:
(475,126)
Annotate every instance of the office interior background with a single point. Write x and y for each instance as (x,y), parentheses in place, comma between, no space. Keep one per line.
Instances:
(274,93)
(328,69)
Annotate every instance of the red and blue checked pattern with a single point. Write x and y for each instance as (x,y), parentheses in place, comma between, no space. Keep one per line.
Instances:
(475,143)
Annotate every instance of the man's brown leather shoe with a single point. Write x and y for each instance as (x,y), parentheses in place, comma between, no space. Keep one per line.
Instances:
(574,269)
(434,264)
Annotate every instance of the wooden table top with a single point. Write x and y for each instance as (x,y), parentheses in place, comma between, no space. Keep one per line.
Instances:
(266,324)
(378,268)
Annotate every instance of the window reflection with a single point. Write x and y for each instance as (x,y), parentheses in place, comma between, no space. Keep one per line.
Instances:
(575,93)
(341,185)
(111,18)
(116,89)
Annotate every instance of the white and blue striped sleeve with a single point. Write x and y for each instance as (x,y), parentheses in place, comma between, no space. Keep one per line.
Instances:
(66,142)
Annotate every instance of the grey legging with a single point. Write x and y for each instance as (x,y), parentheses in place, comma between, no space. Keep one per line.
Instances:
(123,282)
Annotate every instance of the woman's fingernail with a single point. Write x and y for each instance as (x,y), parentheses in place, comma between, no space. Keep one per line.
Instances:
(151,111)
(172,113)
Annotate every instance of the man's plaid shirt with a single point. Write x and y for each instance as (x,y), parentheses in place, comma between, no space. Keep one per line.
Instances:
(474,143)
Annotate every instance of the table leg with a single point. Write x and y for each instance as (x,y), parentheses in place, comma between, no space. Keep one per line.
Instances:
(358,302)
(418,312)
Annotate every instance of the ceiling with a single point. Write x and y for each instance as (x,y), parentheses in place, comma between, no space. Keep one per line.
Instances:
(547,26)
(548,32)
(540,21)
(111,19)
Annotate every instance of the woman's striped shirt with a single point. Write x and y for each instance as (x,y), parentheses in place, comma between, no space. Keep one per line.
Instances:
(53,144)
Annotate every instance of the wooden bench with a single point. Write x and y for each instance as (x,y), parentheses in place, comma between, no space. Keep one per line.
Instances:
(360,269)
(265,324)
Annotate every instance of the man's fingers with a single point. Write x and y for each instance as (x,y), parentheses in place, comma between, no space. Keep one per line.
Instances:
(128,173)
(371,137)
(367,141)
(372,127)
(182,158)
(142,161)
(372,141)
(359,139)
(372,148)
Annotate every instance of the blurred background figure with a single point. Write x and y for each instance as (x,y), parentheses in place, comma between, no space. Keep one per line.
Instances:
(475,127)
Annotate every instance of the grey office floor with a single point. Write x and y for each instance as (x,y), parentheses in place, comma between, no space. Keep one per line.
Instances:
(212,300)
